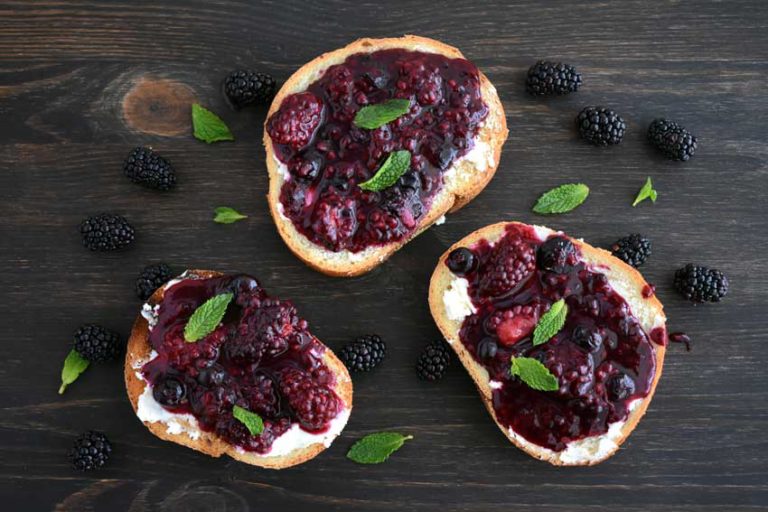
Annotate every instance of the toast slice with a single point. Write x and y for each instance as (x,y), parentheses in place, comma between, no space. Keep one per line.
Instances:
(183,428)
(463,181)
(622,278)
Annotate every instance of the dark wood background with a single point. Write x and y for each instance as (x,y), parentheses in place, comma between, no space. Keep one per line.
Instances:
(81,82)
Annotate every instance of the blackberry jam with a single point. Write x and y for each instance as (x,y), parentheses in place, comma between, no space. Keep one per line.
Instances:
(602,358)
(262,357)
(327,156)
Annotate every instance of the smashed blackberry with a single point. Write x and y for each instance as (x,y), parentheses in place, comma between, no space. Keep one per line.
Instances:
(106,232)
(90,451)
(547,78)
(97,344)
(633,249)
(364,354)
(600,126)
(673,140)
(433,361)
(152,278)
(510,263)
(145,167)
(701,284)
(243,87)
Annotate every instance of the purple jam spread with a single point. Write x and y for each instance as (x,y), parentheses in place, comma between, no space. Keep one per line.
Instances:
(262,357)
(327,156)
(602,358)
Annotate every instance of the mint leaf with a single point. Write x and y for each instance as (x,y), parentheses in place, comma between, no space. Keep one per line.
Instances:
(227,215)
(647,192)
(376,448)
(374,116)
(534,374)
(550,323)
(209,127)
(390,171)
(74,365)
(206,317)
(562,199)
(251,420)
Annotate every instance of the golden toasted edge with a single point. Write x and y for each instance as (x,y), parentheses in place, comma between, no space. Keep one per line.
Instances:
(441,279)
(494,133)
(138,351)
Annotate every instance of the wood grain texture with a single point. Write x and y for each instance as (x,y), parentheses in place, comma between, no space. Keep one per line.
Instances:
(65,68)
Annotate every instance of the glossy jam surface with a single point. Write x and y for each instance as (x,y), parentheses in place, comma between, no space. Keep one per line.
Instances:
(262,357)
(327,156)
(602,357)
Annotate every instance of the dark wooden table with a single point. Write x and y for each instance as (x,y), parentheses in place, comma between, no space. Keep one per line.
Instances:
(82,82)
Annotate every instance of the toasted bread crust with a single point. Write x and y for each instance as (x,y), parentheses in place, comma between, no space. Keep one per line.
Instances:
(467,184)
(440,281)
(138,351)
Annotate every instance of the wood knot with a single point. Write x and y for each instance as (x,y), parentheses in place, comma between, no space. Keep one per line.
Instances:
(158,106)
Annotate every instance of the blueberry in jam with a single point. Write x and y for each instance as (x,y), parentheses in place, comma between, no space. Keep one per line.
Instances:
(262,358)
(555,253)
(169,391)
(461,261)
(602,358)
(589,339)
(327,155)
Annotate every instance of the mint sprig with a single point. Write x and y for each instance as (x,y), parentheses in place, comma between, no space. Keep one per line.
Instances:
(227,215)
(251,420)
(396,164)
(373,116)
(206,317)
(550,322)
(376,448)
(646,192)
(562,199)
(534,374)
(209,127)
(74,365)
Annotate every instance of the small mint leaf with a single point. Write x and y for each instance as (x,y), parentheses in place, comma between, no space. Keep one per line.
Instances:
(227,215)
(646,192)
(534,374)
(396,164)
(550,323)
(373,116)
(206,317)
(376,448)
(562,199)
(74,365)
(209,127)
(251,420)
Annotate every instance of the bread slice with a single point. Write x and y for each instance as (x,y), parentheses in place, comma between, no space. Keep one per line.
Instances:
(623,278)
(466,178)
(183,429)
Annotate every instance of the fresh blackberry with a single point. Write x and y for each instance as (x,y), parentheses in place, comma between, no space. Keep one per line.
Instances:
(600,126)
(364,354)
(243,87)
(106,232)
(90,451)
(97,344)
(152,278)
(433,361)
(145,167)
(633,249)
(701,284)
(546,78)
(673,140)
